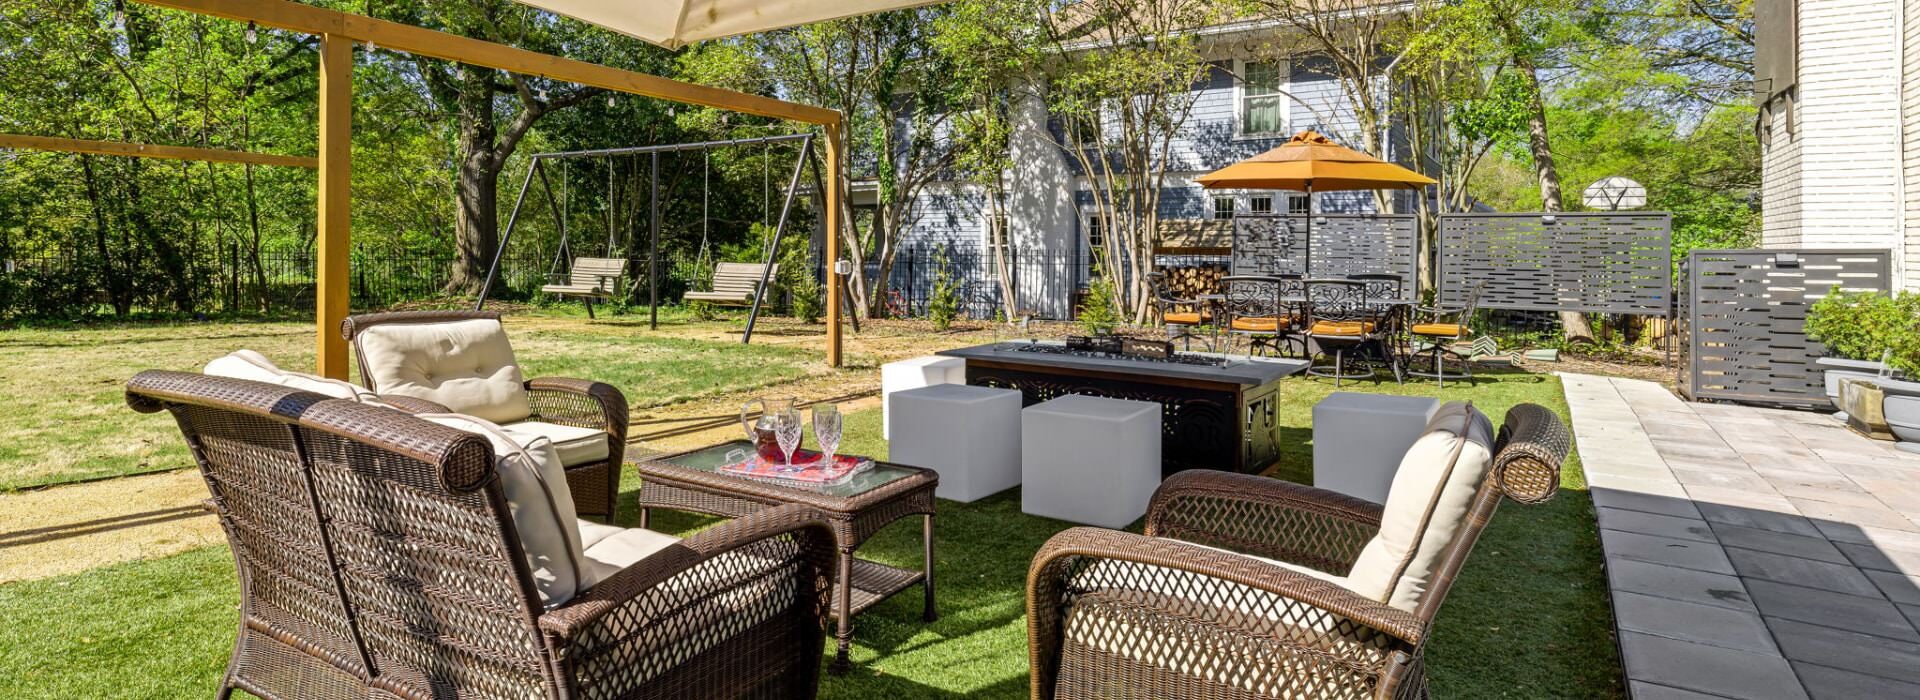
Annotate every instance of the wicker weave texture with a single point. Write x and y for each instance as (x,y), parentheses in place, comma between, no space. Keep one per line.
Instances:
(1117,615)
(378,558)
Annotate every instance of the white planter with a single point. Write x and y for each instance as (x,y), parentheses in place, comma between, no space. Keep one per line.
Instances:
(1837,368)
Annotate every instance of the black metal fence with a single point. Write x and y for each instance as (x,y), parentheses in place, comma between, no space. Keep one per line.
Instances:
(1045,283)
(1743,327)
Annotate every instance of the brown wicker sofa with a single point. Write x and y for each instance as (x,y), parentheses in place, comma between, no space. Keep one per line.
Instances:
(400,352)
(1231,593)
(378,558)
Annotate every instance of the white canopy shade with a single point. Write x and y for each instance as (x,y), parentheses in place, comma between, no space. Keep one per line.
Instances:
(676,23)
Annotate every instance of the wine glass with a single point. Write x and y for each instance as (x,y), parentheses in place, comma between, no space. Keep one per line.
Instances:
(786,430)
(826,431)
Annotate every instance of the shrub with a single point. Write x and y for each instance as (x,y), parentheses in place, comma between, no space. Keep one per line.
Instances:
(1866,326)
(943,305)
(1099,311)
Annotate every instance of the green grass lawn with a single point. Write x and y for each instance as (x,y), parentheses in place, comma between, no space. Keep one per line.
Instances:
(62,417)
(1529,619)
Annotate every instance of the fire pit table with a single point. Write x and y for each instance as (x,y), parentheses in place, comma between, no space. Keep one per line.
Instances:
(1218,411)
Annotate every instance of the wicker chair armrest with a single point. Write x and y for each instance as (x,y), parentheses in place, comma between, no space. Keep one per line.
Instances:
(764,541)
(413,405)
(1142,563)
(581,402)
(1263,516)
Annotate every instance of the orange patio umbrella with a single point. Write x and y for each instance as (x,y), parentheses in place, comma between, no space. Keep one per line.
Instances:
(1309,162)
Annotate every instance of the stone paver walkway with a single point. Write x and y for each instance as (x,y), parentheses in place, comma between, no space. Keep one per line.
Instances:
(1752,553)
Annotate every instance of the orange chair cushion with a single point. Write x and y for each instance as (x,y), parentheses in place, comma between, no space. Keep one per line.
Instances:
(1183,318)
(1258,324)
(1341,327)
(1452,330)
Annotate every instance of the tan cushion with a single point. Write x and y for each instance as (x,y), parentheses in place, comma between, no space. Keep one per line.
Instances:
(1454,330)
(610,549)
(1267,324)
(575,444)
(1435,485)
(536,489)
(467,366)
(1341,328)
(1181,318)
(247,364)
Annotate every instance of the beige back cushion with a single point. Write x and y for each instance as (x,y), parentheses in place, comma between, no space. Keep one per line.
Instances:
(467,366)
(247,364)
(1426,507)
(536,491)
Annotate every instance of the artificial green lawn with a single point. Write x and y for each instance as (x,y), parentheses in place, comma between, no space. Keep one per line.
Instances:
(1529,619)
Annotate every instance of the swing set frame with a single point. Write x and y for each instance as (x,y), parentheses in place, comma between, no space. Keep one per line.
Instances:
(536,167)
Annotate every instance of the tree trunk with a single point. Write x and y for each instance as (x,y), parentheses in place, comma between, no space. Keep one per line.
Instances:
(1573,324)
(476,220)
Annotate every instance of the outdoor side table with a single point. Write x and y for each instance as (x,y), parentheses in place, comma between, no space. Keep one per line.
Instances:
(688,481)
(1359,440)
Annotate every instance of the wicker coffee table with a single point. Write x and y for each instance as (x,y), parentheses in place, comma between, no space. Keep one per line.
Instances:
(688,481)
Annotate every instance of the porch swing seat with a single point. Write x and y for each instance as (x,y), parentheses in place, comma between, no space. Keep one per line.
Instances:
(590,279)
(735,284)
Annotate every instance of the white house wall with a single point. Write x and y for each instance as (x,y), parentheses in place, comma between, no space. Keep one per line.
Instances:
(1849,124)
(1910,127)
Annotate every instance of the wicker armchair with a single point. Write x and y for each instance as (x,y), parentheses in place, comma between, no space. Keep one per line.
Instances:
(1225,595)
(554,403)
(378,558)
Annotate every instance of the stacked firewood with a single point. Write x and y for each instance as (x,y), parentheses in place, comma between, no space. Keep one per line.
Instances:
(1189,281)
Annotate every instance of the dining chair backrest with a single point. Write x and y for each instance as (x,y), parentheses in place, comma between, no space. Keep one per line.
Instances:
(1338,299)
(1381,287)
(1253,296)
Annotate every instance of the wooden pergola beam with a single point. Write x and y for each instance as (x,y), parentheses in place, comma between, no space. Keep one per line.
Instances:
(338,30)
(420,41)
(148,150)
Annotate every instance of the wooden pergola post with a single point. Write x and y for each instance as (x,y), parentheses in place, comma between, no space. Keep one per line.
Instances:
(832,213)
(336,215)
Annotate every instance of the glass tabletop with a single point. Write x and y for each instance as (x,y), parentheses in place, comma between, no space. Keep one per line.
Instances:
(710,459)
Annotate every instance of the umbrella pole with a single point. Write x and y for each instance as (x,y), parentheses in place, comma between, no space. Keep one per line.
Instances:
(1306,270)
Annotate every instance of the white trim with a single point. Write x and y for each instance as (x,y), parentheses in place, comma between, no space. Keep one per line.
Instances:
(1284,96)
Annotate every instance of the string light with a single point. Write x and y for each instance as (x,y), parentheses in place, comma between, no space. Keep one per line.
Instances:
(610,101)
(253,33)
(119,14)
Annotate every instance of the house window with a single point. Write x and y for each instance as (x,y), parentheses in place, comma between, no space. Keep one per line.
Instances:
(1299,205)
(1222,208)
(1262,98)
(996,243)
(1096,241)
(1262,205)
(1082,129)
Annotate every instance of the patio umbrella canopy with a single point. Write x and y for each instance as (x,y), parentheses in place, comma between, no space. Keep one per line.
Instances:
(677,23)
(1309,162)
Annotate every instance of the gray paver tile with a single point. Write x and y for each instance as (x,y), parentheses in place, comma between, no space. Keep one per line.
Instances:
(1840,578)
(1742,480)
(1778,543)
(1692,622)
(1708,669)
(1790,523)
(1785,463)
(1871,516)
(1912,612)
(1828,683)
(1640,690)
(1654,524)
(1865,534)
(1741,498)
(1666,550)
(1869,615)
(1867,556)
(1675,504)
(1899,588)
(1691,585)
(1843,649)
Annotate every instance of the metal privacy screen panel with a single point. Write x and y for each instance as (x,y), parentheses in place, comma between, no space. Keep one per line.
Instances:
(1744,326)
(1343,245)
(1620,263)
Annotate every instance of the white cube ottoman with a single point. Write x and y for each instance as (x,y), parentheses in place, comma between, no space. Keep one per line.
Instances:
(1359,439)
(913,374)
(970,435)
(1089,460)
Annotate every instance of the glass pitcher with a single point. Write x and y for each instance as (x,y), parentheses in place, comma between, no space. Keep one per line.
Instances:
(760,430)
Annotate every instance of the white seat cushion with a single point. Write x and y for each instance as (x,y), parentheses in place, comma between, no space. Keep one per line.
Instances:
(575,444)
(610,549)
(467,366)
(536,490)
(1434,487)
(247,364)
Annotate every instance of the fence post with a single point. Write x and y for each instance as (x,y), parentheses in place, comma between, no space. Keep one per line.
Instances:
(913,282)
(1013,274)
